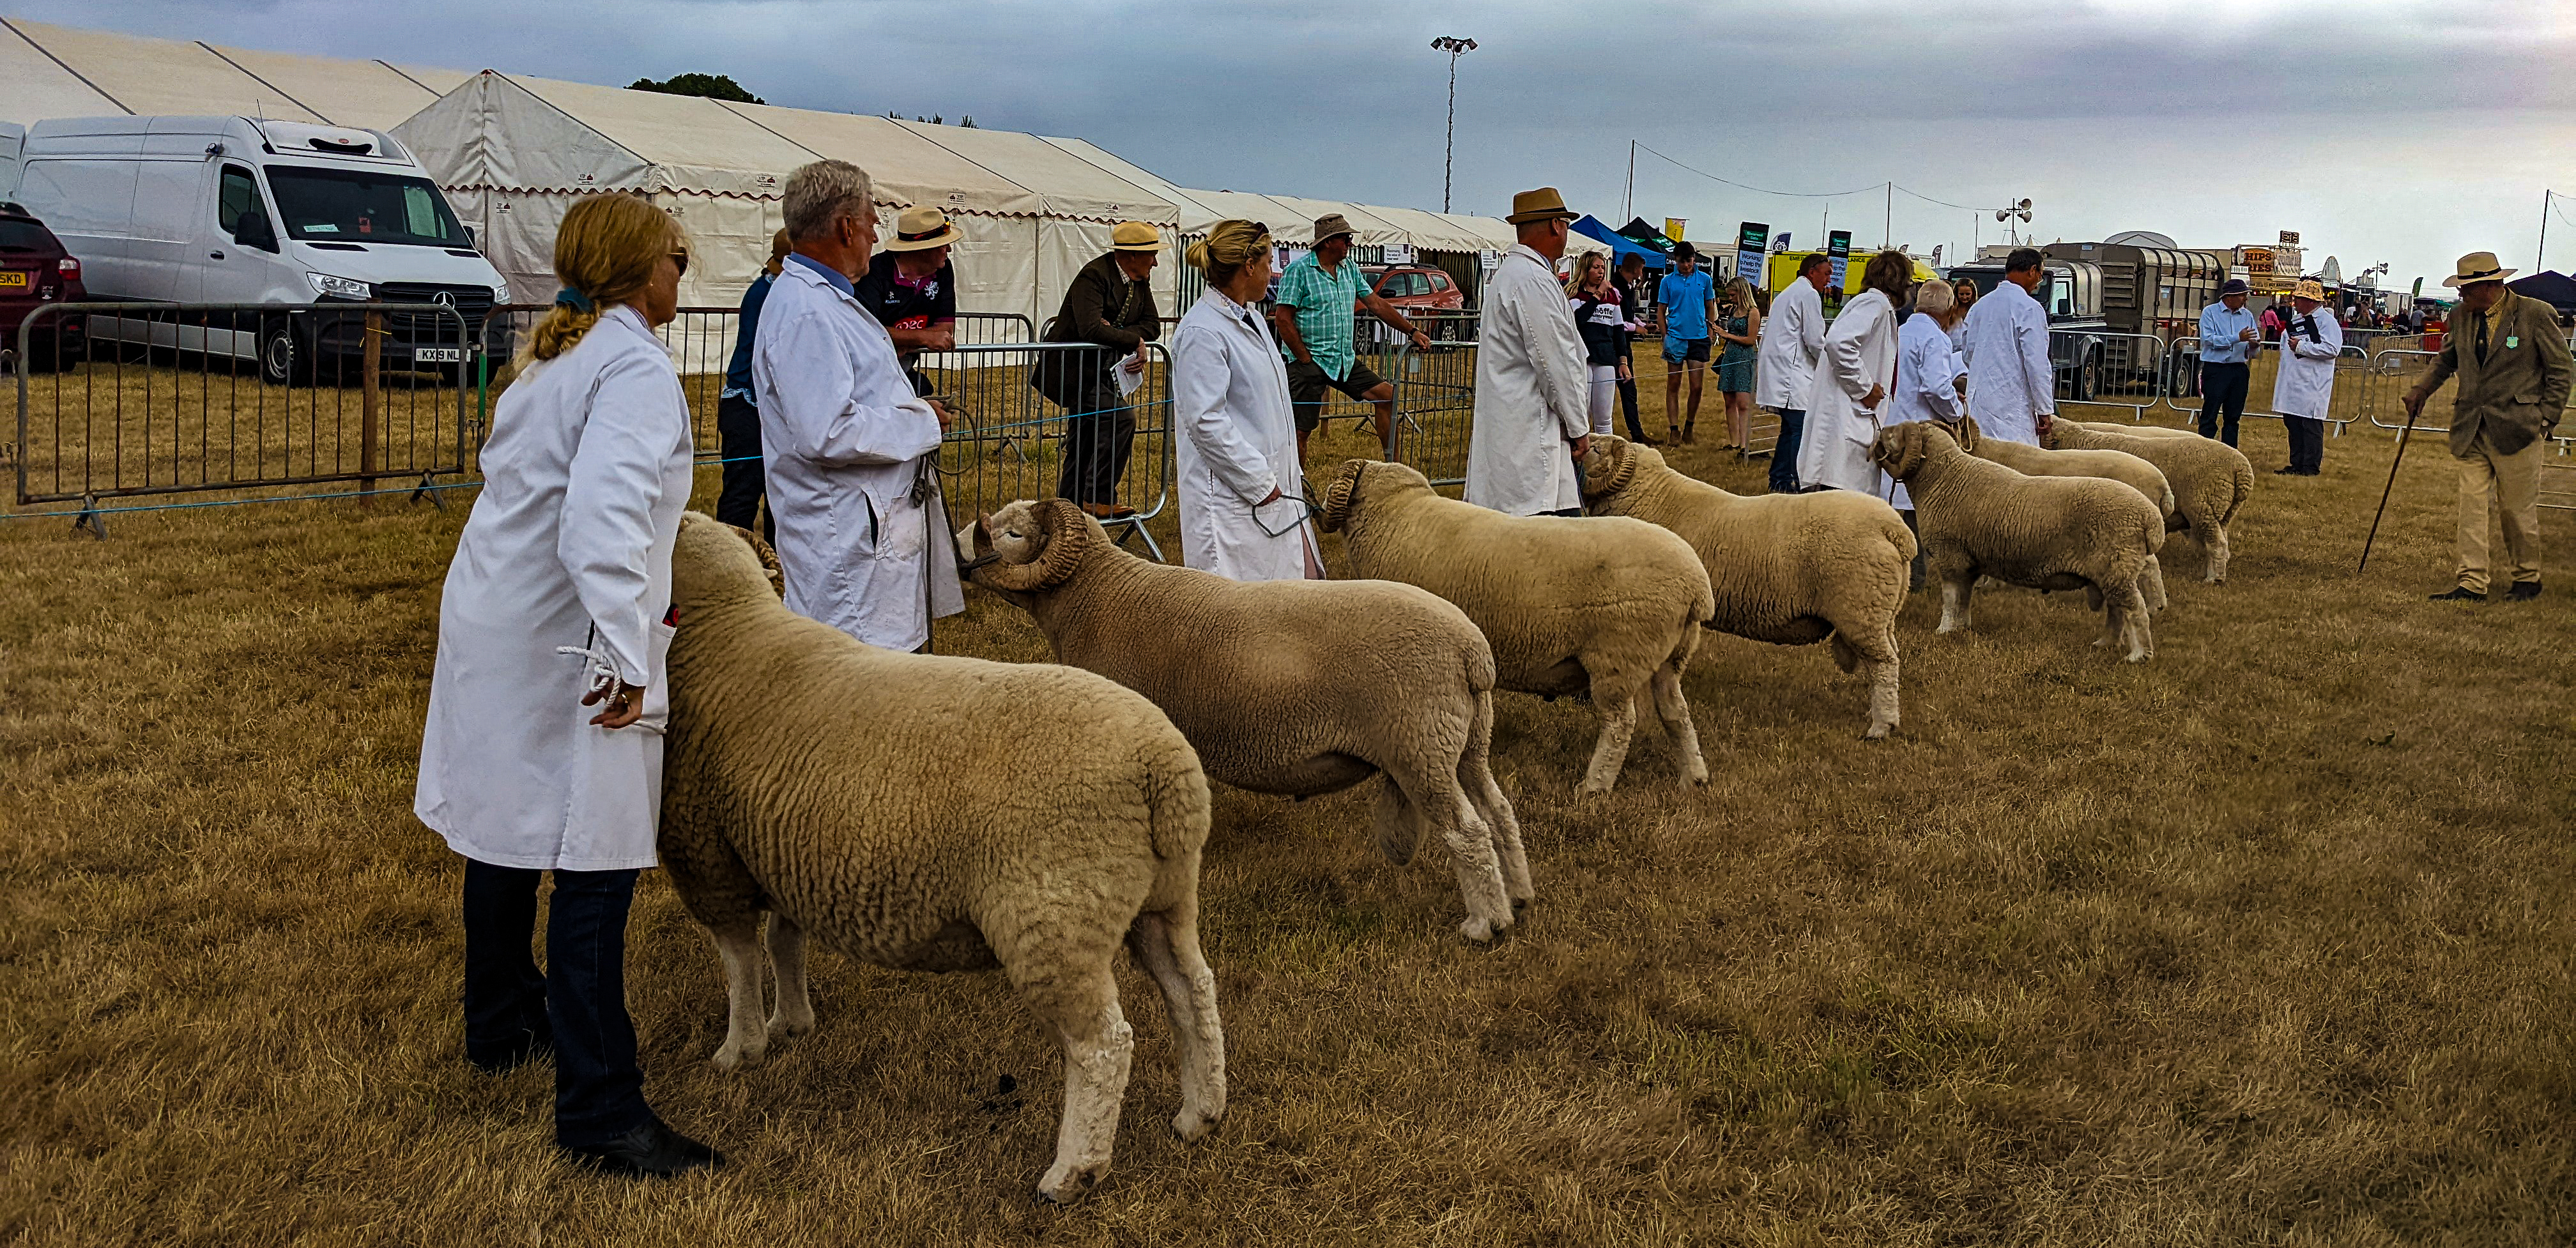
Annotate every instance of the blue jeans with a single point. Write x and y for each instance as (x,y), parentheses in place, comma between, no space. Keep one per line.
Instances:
(580,1001)
(1784,454)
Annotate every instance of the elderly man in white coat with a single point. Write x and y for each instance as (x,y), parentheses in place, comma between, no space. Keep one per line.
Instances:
(1243,505)
(851,452)
(2303,390)
(1927,386)
(1532,408)
(1859,366)
(1793,340)
(2012,386)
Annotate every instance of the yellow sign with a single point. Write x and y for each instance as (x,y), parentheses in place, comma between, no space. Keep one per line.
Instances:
(1673,227)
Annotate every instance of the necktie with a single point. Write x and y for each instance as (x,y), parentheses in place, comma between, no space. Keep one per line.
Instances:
(2482,337)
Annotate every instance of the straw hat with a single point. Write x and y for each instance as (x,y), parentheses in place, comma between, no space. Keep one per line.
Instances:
(2310,289)
(1543,204)
(1135,236)
(1330,225)
(920,229)
(2479,266)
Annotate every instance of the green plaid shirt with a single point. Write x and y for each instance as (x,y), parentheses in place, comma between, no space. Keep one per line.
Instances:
(1324,303)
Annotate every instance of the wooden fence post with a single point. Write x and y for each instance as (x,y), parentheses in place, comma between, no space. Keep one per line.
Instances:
(370,382)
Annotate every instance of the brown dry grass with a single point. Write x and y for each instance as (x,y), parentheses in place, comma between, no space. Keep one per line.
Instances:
(2266,941)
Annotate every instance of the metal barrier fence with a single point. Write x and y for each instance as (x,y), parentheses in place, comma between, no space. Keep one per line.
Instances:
(2391,373)
(1435,407)
(119,400)
(2348,403)
(1048,420)
(2104,369)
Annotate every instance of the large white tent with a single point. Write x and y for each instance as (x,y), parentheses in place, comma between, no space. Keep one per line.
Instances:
(65,71)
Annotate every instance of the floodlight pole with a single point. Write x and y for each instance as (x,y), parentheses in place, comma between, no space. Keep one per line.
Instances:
(1456,47)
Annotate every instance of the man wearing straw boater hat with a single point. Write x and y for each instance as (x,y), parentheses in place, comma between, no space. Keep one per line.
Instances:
(1532,419)
(912,289)
(1110,304)
(2514,375)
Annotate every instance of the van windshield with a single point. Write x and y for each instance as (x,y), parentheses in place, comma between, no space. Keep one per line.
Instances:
(358,206)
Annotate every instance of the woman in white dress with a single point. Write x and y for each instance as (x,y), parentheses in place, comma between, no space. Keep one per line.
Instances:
(557,602)
(1242,498)
(1852,380)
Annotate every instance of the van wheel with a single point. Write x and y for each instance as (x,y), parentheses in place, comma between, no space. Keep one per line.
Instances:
(284,358)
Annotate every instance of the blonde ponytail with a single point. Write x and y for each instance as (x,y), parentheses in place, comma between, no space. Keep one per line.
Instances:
(605,254)
(1228,247)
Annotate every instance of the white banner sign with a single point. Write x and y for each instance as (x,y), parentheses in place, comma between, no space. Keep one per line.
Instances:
(1488,258)
(1398,253)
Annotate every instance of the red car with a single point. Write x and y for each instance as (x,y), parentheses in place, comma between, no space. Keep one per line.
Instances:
(1418,288)
(35,271)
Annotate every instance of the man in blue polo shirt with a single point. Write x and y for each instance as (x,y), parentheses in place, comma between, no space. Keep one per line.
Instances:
(1689,297)
(2229,338)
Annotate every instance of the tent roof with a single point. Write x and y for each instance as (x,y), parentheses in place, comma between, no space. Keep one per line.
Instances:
(2548,286)
(905,168)
(1070,185)
(369,94)
(1369,229)
(146,77)
(1286,226)
(1195,214)
(34,86)
(1429,230)
(692,143)
(1621,246)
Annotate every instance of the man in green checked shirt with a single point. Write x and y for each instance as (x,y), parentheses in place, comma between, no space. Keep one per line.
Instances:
(1316,316)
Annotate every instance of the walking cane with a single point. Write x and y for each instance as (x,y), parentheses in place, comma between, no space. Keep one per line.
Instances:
(2399,458)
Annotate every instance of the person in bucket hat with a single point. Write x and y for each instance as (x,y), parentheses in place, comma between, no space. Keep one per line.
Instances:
(1317,322)
(2514,372)
(911,288)
(2229,337)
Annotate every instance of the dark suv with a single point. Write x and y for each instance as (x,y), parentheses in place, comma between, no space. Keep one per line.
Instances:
(35,271)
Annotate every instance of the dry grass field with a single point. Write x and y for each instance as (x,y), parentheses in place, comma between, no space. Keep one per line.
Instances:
(2269,941)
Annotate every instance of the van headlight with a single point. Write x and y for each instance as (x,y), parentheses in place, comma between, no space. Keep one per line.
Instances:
(330,287)
(500,292)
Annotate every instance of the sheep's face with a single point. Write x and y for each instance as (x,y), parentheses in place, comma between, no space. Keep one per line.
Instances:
(1013,535)
(1029,545)
(1613,463)
(715,562)
(1900,449)
(1359,479)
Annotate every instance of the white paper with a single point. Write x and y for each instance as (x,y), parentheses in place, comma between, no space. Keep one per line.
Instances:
(1129,380)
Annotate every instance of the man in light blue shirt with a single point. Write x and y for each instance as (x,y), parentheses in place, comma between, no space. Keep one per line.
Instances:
(2228,340)
(1689,296)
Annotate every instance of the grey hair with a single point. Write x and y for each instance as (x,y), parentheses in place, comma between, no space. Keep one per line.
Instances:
(1934,297)
(821,193)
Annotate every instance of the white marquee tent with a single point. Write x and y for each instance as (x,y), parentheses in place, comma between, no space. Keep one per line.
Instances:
(63,71)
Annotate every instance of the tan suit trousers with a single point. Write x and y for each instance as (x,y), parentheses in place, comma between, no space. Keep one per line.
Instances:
(2493,485)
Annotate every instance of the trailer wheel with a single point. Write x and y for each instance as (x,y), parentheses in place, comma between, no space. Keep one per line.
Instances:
(2088,376)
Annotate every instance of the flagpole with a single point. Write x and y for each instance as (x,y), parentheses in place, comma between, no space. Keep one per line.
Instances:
(1628,202)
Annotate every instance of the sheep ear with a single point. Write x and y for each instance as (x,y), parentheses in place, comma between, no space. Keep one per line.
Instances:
(1342,491)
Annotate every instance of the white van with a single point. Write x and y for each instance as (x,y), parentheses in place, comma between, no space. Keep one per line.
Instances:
(235,210)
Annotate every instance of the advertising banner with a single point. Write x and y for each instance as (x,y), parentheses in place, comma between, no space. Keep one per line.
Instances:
(1751,238)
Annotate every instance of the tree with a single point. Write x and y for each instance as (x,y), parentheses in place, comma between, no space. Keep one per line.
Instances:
(967,121)
(712,86)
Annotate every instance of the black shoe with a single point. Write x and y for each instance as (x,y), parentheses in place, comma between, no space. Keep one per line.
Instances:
(651,1151)
(2287,472)
(2461,593)
(2522,591)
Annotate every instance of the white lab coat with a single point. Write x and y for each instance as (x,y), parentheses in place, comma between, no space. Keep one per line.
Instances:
(1793,340)
(1926,369)
(1860,354)
(2011,384)
(1238,442)
(2305,384)
(842,442)
(1530,393)
(584,480)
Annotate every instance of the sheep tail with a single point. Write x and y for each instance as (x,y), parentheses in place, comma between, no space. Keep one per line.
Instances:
(1902,538)
(2244,489)
(1176,802)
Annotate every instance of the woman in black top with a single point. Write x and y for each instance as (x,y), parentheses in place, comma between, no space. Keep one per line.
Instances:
(1602,319)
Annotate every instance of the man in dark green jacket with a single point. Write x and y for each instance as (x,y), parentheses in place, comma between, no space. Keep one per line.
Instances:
(2513,364)
(1110,304)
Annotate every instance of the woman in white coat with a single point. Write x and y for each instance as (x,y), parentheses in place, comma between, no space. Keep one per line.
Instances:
(1242,498)
(1852,380)
(558,600)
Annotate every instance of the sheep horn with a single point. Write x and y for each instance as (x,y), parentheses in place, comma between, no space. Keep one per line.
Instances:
(1339,494)
(1623,464)
(768,559)
(1068,539)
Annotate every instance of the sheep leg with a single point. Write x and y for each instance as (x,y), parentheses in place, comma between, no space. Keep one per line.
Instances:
(1617,707)
(1674,710)
(746,1039)
(1879,663)
(2213,540)
(1099,1047)
(1476,776)
(793,1013)
(1167,946)
(1397,824)
(2151,584)
(2130,601)
(1956,613)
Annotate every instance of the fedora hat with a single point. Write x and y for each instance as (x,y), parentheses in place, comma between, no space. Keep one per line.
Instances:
(1330,225)
(920,229)
(2476,267)
(2310,289)
(1135,236)
(1543,204)
(2234,286)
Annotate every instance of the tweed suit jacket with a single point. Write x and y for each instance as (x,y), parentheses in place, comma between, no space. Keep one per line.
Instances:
(2516,395)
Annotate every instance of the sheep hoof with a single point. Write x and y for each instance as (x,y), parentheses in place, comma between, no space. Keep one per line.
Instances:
(1192,1126)
(1480,931)
(797,1026)
(1064,1185)
(733,1057)
(1877,732)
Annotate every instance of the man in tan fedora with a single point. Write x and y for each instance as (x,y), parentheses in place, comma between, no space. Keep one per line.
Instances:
(1318,325)
(1111,306)
(912,289)
(1532,418)
(2514,373)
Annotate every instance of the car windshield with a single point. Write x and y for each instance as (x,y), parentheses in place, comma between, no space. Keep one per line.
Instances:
(359,206)
(24,236)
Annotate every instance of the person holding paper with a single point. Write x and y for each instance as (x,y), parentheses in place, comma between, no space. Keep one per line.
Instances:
(2229,338)
(2303,391)
(1243,504)
(1110,304)
(1317,314)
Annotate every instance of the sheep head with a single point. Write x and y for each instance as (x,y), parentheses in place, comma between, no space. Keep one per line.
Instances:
(1901,449)
(1613,463)
(1030,545)
(1382,479)
(714,562)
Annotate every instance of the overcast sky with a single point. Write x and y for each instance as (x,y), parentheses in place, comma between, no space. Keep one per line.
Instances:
(2407,131)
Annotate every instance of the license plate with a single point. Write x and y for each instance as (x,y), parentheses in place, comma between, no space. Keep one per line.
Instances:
(16,280)
(438,355)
